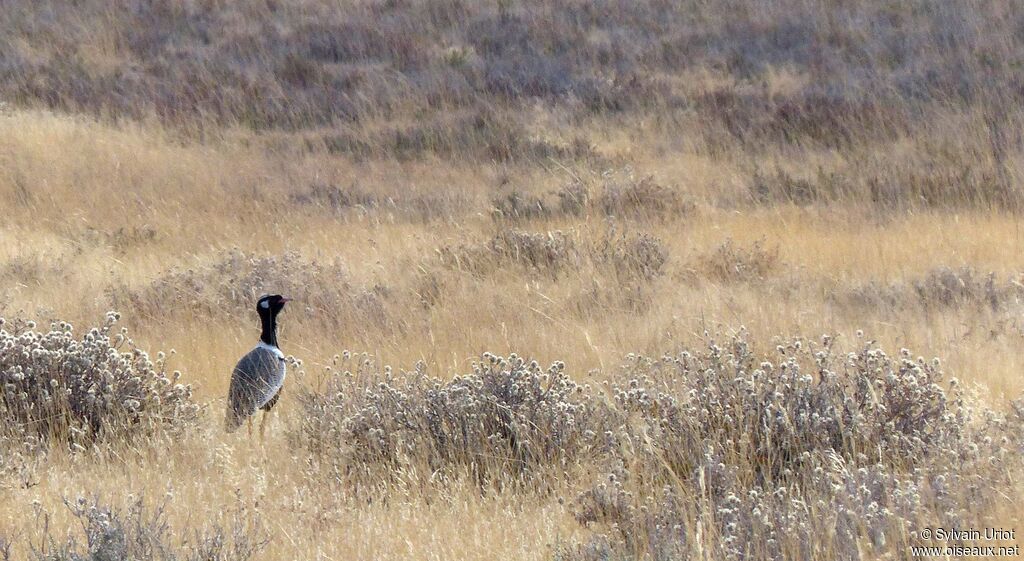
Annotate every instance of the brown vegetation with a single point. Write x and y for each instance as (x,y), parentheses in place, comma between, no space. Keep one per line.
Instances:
(714,184)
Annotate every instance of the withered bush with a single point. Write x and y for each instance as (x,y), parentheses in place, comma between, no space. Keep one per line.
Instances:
(954,183)
(573,199)
(640,257)
(938,289)
(400,205)
(479,132)
(517,205)
(505,422)
(783,456)
(306,65)
(948,182)
(547,252)
(616,194)
(80,389)
(782,188)
(643,198)
(600,298)
(625,258)
(730,262)
(139,533)
(780,454)
(237,279)
(335,198)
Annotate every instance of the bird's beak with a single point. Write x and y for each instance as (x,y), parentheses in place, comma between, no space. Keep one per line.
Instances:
(285,300)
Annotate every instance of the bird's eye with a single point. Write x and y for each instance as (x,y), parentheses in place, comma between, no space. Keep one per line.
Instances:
(264,304)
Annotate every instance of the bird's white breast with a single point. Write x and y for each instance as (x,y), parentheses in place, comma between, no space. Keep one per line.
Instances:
(272,349)
(282,368)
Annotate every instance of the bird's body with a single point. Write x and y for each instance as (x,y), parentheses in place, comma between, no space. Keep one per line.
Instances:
(257,379)
(256,383)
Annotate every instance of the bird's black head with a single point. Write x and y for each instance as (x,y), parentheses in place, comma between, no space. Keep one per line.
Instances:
(270,305)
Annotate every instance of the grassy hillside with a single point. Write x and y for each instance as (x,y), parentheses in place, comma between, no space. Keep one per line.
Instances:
(584,182)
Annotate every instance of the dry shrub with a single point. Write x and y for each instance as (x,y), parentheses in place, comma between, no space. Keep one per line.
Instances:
(755,119)
(503,423)
(808,453)
(618,195)
(940,288)
(237,279)
(599,298)
(550,253)
(429,286)
(334,198)
(517,205)
(426,207)
(138,533)
(99,386)
(640,257)
(572,199)
(643,198)
(782,188)
(946,183)
(625,265)
(420,207)
(957,184)
(480,132)
(124,240)
(802,452)
(730,262)
(307,65)
(33,268)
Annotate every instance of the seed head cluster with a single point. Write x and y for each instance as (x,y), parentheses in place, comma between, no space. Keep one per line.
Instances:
(807,449)
(779,454)
(505,421)
(57,386)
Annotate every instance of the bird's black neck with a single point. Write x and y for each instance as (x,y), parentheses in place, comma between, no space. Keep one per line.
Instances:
(269,334)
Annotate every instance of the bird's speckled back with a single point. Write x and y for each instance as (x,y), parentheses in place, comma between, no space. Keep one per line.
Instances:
(256,379)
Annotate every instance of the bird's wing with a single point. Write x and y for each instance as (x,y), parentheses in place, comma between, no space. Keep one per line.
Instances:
(257,378)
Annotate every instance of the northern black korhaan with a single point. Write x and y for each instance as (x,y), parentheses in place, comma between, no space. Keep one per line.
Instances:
(258,377)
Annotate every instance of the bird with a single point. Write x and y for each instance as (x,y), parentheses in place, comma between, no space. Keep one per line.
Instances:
(258,377)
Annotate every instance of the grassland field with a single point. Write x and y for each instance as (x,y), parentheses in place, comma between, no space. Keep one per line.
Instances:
(583,182)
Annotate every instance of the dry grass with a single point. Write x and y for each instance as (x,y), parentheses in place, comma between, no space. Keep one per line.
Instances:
(575,182)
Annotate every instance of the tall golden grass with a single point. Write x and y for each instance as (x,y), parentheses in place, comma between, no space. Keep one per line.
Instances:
(426,199)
